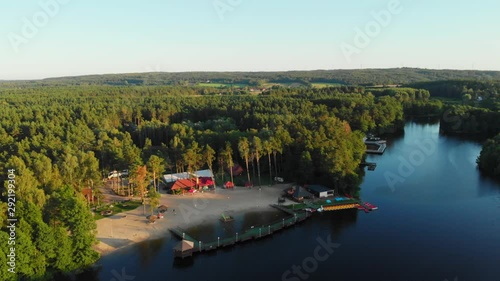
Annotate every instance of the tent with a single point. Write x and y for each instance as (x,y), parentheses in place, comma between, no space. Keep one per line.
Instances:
(298,193)
(229,184)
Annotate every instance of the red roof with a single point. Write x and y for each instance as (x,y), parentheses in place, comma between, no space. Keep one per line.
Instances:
(184,184)
(205,181)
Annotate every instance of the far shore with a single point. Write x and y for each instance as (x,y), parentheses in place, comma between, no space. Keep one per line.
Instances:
(124,229)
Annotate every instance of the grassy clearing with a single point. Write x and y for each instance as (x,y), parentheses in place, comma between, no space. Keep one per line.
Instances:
(221,85)
(116,208)
(325,85)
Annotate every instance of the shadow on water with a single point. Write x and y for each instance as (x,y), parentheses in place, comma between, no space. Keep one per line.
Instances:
(91,274)
(183,263)
(149,249)
(242,221)
(337,222)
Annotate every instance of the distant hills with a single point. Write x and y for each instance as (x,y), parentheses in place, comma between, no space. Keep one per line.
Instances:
(362,77)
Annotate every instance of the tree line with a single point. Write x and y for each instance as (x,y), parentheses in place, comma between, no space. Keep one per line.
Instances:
(367,77)
(489,159)
(61,139)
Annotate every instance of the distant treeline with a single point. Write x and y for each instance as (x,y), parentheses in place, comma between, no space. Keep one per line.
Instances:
(459,89)
(467,120)
(365,77)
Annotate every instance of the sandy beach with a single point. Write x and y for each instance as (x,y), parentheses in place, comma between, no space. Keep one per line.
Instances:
(130,227)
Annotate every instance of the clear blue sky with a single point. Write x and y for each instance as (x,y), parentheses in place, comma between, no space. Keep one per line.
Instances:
(111,36)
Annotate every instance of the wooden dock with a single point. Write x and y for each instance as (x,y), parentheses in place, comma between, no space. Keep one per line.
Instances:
(380,150)
(250,234)
(371,165)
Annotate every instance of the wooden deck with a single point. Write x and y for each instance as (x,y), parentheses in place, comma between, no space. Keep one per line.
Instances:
(380,150)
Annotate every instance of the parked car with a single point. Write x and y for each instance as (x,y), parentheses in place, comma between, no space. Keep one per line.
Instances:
(114,174)
(279,179)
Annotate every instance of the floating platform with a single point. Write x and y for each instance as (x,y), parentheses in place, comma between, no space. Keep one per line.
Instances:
(340,207)
(380,149)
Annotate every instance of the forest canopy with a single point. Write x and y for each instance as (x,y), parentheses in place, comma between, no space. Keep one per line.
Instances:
(63,135)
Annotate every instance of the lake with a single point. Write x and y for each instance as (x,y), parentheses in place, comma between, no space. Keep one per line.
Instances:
(438,219)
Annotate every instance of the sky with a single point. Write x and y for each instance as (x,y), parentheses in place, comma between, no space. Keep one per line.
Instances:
(53,38)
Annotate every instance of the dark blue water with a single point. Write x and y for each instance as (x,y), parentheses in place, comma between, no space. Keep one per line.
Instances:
(438,219)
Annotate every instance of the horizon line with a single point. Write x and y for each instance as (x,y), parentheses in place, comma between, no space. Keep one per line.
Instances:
(242,71)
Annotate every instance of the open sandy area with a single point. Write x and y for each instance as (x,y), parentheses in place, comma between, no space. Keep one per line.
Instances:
(130,227)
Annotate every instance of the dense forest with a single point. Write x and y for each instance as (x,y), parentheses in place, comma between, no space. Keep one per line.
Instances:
(473,107)
(471,90)
(63,135)
(60,140)
(363,77)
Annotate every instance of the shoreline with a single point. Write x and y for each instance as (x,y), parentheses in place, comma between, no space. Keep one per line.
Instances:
(131,227)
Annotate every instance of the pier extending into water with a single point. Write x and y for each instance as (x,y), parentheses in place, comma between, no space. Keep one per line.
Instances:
(298,213)
(250,234)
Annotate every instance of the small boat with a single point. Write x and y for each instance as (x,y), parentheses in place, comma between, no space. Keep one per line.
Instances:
(376,140)
(371,139)
(371,206)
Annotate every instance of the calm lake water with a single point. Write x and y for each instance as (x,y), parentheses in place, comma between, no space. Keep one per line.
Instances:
(438,219)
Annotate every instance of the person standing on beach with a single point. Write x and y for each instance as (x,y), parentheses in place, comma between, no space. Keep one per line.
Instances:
(174,211)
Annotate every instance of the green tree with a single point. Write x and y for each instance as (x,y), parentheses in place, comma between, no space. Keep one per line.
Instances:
(268,149)
(244,149)
(139,179)
(156,165)
(257,150)
(209,156)
(193,157)
(154,200)
(69,210)
(228,157)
